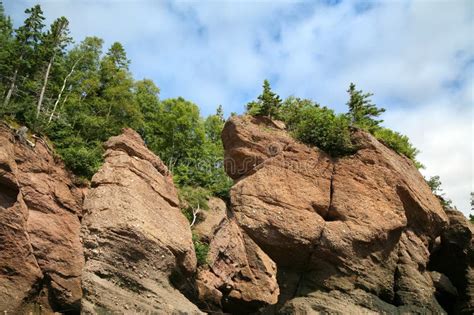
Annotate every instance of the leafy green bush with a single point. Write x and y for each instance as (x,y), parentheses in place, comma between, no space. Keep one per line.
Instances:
(326,130)
(398,143)
(201,249)
(81,160)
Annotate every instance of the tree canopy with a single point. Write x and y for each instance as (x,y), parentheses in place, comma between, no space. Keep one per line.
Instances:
(79,97)
(320,126)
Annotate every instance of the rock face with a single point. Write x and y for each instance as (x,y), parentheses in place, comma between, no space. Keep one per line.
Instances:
(41,256)
(135,236)
(350,232)
(304,233)
(454,258)
(240,277)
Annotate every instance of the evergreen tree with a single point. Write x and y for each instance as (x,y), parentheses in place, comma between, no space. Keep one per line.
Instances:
(267,103)
(362,112)
(26,44)
(472,201)
(6,51)
(117,91)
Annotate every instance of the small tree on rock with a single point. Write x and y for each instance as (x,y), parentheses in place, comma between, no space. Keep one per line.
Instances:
(362,112)
(267,103)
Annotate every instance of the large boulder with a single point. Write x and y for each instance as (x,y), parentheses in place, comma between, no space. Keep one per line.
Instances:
(282,192)
(361,225)
(41,256)
(240,278)
(135,237)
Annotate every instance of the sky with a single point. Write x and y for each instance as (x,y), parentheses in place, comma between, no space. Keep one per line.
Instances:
(417,57)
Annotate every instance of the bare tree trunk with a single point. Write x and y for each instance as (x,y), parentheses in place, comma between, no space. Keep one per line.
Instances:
(108,112)
(195,212)
(62,89)
(10,90)
(43,88)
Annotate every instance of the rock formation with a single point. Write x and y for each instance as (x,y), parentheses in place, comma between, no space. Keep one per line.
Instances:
(353,233)
(454,258)
(41,256)
(303,233)
(135,236)
(240,277)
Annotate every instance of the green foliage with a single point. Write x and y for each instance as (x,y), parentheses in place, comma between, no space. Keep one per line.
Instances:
(194,197)
(326,130)
(434,183)
(80,97)
(362,112)
(398,143)
(318,126)
(267,103)
(201,249)
(82,159)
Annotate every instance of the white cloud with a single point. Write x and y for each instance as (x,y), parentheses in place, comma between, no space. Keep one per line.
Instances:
(443,133)
(417,56)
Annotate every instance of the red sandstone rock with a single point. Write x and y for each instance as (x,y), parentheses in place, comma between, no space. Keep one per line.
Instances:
(135,236)
(361,223)
(40,210)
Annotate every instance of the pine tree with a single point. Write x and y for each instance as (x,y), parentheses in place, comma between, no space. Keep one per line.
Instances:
(54,43)
(6,42)
(362,112)
(117,90)
(26,45)
(267,103)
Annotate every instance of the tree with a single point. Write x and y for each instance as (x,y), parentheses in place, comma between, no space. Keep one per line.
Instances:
(292,110)
(117,91)
(362,112)
(54,43)
(472,201)
(82,78)
(267,103)
(6,42)
(214,177)
(179,134)
(26,43)
(471,217)
(213,126)
(434,183)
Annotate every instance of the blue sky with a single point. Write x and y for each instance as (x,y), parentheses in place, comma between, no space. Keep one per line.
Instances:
(416,56)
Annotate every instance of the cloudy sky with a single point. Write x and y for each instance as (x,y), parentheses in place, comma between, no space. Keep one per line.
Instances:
(416,56)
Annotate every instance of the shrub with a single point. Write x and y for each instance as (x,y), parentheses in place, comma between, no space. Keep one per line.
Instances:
(201,249)
(323,128)
(398,142)
(81,160)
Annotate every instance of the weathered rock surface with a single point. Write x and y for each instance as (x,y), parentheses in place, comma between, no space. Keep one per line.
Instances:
(284,196)
(360,226)
(41,256)
(210,220)
(135,236)
(454,258)
(239,277)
